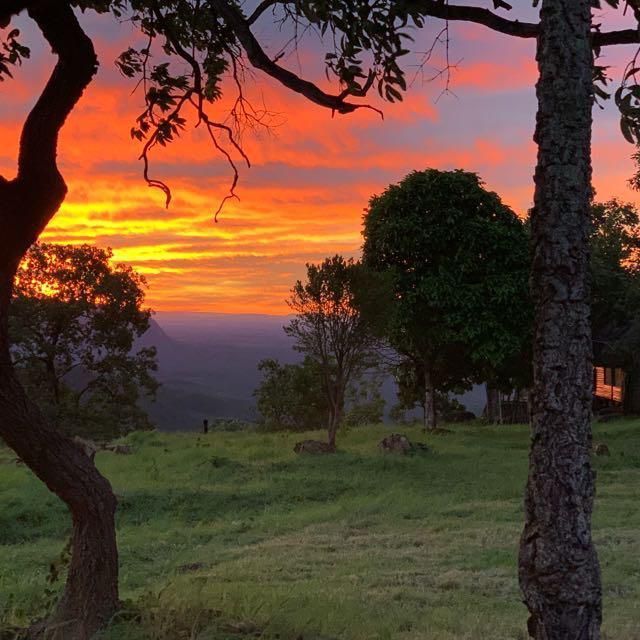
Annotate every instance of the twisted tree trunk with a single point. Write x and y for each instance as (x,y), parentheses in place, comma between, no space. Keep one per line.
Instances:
(91,594)
(335,415)
(558,566)
(27,203)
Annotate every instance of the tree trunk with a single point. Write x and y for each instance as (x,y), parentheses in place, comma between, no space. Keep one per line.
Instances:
(27,203)
(493,408)
(429,401)
(331,440)
(558,566)
(335,416)
(90,596)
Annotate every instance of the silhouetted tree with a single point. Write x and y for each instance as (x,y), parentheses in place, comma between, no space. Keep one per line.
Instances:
(73,323)
(615,273)
(331,331)
(411,393)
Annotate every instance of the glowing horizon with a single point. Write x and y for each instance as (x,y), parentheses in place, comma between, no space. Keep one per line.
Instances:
(312,174)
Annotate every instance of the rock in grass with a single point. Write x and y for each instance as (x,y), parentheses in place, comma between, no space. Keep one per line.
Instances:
(601,449)
(313,446)
(399,443)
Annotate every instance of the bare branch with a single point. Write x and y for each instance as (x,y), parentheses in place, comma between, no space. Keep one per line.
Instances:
(445,11)
(485,17)
(260,9)
(260,60)
(624,36)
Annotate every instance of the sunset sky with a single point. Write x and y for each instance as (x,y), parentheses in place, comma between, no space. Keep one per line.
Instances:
(311,177)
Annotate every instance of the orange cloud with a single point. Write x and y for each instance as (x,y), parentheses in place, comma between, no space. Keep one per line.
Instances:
(311,178)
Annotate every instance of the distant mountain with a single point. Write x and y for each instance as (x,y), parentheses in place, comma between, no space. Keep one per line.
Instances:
(208,366)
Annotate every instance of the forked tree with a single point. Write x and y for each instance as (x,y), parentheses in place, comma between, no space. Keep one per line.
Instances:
(332,332)
(559,571)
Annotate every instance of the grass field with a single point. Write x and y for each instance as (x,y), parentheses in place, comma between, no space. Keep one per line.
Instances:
(232,534)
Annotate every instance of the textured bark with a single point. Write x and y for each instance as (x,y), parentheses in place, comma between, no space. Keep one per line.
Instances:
(27,203)
(558,566)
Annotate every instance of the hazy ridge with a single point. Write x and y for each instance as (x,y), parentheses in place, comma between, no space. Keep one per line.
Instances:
(208,366)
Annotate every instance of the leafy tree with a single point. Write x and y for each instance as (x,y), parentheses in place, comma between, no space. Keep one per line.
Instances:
(331,331)
(615,293)
(211,37)
(615,267)
(291,397)
(458,257)
(73,322)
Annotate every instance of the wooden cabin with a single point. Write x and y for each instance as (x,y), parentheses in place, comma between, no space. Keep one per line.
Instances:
(608,385)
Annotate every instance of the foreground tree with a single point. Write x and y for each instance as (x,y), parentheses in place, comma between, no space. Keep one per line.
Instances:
(211,38)
(331,331)
(73,323)
(458,260)
(558,565)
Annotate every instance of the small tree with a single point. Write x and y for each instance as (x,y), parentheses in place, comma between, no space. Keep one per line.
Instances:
(459,260)
(330,330)
(73,321)
(290,396)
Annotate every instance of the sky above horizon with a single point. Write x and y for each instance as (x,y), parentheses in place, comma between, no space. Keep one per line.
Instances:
(312,174)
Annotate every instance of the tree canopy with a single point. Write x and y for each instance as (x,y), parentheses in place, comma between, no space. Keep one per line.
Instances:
(291,396)
(73,324)
(615,272)
(458,258)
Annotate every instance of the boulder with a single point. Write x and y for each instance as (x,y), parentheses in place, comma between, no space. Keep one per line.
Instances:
(396,443)
(399,443)
(313,446)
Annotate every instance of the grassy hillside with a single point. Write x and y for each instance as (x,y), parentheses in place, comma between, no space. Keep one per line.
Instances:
(232,534)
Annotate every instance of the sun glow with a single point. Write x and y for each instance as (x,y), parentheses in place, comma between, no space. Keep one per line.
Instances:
(311,177)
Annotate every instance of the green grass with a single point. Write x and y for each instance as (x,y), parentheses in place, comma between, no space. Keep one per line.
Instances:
(356,545)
